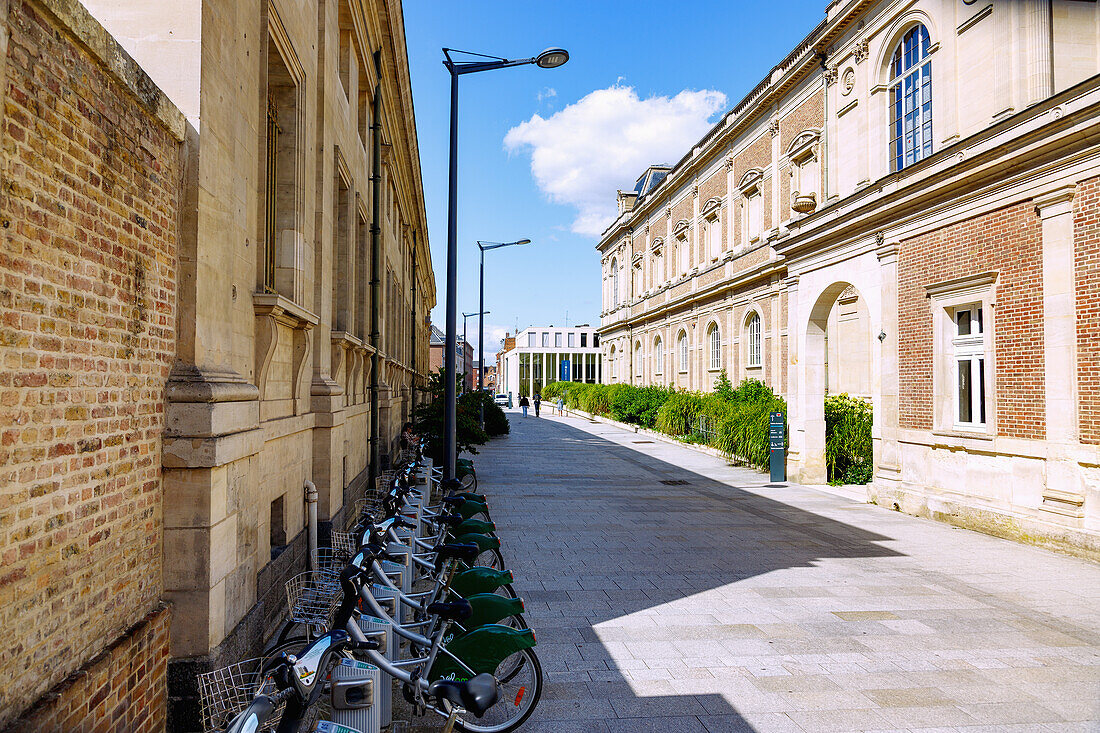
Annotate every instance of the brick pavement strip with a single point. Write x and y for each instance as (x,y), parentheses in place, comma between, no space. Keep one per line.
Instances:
(728,604)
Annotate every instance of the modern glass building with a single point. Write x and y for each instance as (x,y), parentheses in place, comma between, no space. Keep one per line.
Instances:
(547,354)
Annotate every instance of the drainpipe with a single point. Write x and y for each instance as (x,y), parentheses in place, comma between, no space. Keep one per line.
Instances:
(412,337)
(375,263)
(311,514)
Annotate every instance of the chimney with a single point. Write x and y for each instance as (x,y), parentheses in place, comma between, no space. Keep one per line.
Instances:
(626,200)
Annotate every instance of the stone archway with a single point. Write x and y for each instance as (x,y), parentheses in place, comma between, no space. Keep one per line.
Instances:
(840,313)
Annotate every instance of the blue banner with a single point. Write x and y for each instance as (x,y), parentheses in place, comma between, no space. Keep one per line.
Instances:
(563,370)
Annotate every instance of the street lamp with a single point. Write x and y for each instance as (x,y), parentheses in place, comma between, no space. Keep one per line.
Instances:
(464,317)
(548,59)
(484,246)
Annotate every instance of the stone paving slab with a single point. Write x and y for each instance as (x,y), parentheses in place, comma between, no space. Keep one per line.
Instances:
(731,604)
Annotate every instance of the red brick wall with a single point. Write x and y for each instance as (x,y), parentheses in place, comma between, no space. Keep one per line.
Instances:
(1086,237)
(1010,242)
(88,237)
(123,688)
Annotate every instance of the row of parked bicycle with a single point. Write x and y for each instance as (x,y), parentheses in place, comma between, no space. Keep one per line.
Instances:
(416,593)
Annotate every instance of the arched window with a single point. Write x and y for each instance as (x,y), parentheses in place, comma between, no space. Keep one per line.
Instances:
(714,339)
(614,283)
(753,328)
(911,90)
(682,348)
(658,357)
(614,367)
(638,359)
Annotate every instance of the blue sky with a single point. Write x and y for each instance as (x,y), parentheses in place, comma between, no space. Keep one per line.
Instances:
(643,83)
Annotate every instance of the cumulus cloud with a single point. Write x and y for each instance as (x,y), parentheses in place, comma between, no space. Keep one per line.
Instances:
(581,154)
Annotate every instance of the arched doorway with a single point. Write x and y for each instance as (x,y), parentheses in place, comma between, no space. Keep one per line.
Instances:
(837,359)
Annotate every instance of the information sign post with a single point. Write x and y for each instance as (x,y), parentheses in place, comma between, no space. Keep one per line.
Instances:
(777,440)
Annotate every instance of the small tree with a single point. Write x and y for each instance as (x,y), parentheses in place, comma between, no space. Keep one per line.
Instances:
(722,386)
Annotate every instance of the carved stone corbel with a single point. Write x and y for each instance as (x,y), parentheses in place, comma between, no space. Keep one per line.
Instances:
(267,338)
(303,347)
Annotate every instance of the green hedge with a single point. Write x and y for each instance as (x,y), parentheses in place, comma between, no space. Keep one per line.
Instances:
(848,453)
(739,417)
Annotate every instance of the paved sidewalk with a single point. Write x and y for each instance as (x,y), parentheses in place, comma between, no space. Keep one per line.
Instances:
(671,592)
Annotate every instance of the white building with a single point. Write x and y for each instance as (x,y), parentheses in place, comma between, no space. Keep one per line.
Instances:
(546,354)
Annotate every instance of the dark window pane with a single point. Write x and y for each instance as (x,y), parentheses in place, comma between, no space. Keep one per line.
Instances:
(981,325)
(965,413)
(962,320)
(981,387)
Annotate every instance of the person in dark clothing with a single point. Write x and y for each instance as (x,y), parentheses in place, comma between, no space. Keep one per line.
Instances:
(538,401)
(523,403)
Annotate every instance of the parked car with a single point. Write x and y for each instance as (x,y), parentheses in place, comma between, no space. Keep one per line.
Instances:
(503,400)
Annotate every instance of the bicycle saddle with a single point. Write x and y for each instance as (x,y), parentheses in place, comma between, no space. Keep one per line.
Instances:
(457,551)
(475,695)
(459,610)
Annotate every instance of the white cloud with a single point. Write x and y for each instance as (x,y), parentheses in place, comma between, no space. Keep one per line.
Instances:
(547,93)
(581,154)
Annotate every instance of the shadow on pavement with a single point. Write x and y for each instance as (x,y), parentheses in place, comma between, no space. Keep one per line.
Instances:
(612,549)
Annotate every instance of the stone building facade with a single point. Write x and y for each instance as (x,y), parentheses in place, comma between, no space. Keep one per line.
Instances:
(91,166)
(889,214)
(211,294)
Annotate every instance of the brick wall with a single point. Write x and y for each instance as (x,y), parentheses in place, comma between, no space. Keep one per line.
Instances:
(87,330)
(1008,241)
(1086,238)
(122,688)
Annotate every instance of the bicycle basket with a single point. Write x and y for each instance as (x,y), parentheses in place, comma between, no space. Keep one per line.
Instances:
(313,598)
(345,544)
(225,692)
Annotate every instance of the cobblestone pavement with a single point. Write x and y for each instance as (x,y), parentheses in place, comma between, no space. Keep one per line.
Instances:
(671,592)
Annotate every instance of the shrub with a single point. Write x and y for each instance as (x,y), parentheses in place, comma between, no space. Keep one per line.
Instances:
(722,386)
(677,415)
(428,421)
(637,405)
(848,446)
(743,430)
(496,422)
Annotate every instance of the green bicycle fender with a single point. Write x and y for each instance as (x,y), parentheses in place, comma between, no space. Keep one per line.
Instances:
(474,525)
(472,496)
(489,608)
(468,509)
(483,541)
(482,650)
(479,580)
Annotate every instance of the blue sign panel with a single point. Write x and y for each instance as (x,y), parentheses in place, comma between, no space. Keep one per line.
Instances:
(563,370)
(777,440)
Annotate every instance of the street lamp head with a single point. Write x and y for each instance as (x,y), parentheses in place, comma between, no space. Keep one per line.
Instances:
(524,241)
(552,58)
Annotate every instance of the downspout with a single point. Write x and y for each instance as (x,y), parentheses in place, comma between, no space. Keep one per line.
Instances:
(375,264)
(412,338)
(311,515)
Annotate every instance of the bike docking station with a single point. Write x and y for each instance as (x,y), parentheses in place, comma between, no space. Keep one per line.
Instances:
(777,443)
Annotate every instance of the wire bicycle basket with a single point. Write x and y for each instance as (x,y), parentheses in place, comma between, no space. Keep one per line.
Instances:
(225,692)
(313,598)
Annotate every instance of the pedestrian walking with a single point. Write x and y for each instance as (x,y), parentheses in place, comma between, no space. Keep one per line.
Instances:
(538,401)
(523,403)
(561,407)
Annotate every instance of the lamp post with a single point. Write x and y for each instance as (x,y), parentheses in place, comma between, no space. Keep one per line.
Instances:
(485,246)
(464,317)
(548,59)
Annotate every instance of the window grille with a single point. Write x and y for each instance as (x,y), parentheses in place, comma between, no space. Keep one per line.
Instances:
(969,365)
(683,348)
(911,89)
(715,337)
(755,351)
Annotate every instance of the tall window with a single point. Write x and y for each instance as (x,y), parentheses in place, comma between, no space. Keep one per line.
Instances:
(658,357)
(638,359)
(530,339)
(713,237)
(571,339)
(714,339)
(755,351)
(557,339)
(969,346)
(584,338)
(682,348)
(614,368)
(546,339)
(754,215)
(614,283)
(911,88)
(682,254)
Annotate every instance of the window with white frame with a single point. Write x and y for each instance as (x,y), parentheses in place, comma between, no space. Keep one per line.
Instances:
(658,268)
(754,215)
(682,254)
(557,339)
(753,333)
(713,235)
(682,349)
(614,283)
(911,96)
(968,348)
(546,339)
(638,359)
(658,357)
(714,340)
(614,365)
(530,339)
(571,340)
